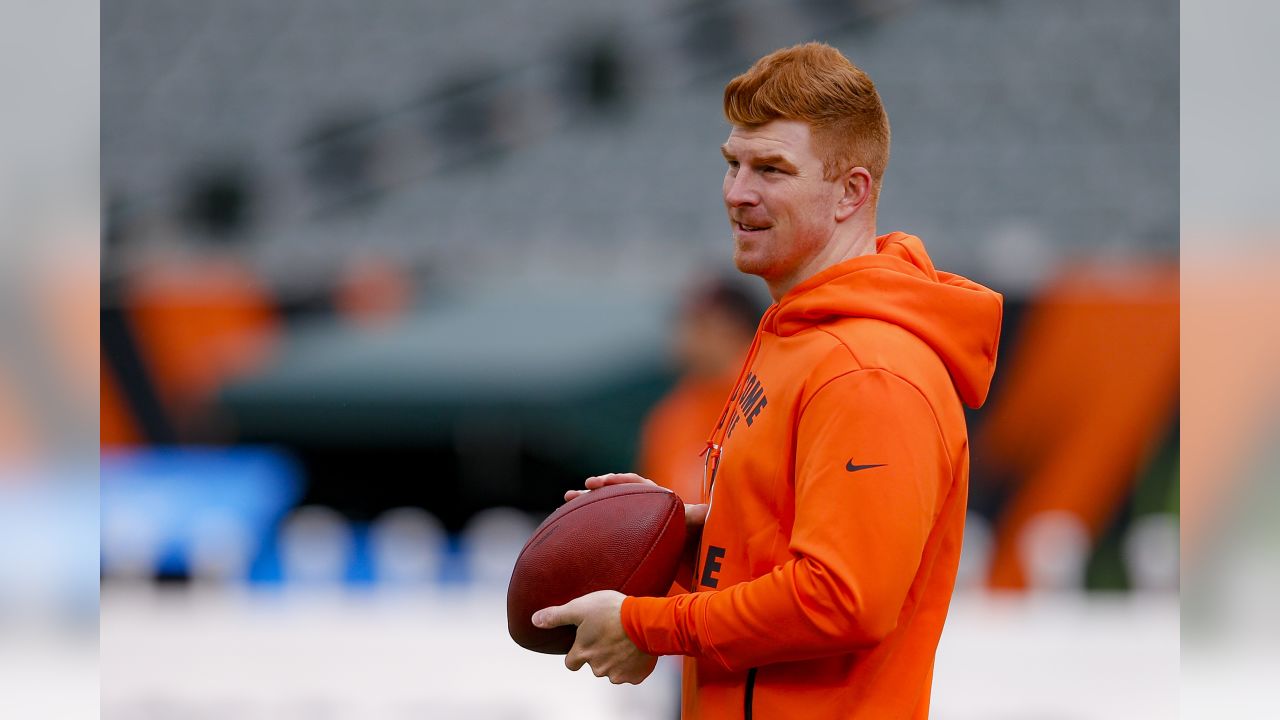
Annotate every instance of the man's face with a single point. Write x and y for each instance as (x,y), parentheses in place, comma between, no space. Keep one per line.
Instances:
(781,209)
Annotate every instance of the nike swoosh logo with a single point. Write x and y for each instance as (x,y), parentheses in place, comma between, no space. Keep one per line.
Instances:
(855,468)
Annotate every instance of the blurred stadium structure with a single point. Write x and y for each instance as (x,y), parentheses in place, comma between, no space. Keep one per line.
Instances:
(48,393)
(1231,344)
(381,280)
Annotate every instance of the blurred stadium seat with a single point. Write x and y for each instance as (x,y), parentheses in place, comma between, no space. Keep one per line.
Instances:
(408,548)
(493,539)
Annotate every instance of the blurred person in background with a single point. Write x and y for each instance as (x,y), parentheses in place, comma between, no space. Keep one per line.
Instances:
(826,569)
(715,326)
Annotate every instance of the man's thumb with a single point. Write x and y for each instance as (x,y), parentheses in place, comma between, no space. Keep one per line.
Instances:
(554,617)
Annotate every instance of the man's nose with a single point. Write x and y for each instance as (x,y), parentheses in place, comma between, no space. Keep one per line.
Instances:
(738,191)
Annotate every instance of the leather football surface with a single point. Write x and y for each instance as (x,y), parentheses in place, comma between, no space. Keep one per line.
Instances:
(626,537)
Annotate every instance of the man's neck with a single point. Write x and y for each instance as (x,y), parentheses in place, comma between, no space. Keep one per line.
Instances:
(850,244)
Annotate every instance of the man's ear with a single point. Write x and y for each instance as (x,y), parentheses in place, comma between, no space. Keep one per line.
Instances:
(855,191)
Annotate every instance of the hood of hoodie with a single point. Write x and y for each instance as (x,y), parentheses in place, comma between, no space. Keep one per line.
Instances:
(958,318)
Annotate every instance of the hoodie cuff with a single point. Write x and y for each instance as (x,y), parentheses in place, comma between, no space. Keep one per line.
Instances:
(660,625)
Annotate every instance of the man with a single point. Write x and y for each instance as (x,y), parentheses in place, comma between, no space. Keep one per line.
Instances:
(838,472)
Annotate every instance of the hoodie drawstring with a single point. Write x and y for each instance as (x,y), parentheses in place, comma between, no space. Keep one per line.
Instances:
(711,452)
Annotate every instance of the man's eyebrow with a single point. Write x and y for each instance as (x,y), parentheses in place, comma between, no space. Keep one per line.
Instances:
(773,160)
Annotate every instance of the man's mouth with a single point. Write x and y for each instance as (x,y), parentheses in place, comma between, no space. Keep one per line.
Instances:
(750,228)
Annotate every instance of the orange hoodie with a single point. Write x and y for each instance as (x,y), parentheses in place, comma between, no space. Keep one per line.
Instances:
(838,483)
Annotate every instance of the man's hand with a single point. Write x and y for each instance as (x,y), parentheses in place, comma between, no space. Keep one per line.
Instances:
(601,641)
(694,515)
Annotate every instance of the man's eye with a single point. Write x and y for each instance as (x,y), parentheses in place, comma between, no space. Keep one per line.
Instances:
(769,169)
(733,164)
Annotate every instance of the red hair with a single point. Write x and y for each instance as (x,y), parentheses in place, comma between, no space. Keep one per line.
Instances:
(814,83)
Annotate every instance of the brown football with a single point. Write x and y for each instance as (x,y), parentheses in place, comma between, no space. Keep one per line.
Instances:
(626,537)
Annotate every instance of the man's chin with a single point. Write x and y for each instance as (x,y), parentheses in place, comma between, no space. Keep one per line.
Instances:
(750,264)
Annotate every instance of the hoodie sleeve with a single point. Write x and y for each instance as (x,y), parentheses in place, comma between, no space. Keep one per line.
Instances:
(871,472)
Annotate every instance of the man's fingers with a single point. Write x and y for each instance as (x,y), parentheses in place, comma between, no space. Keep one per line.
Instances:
(595,482)
(598,481)
(574,660)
